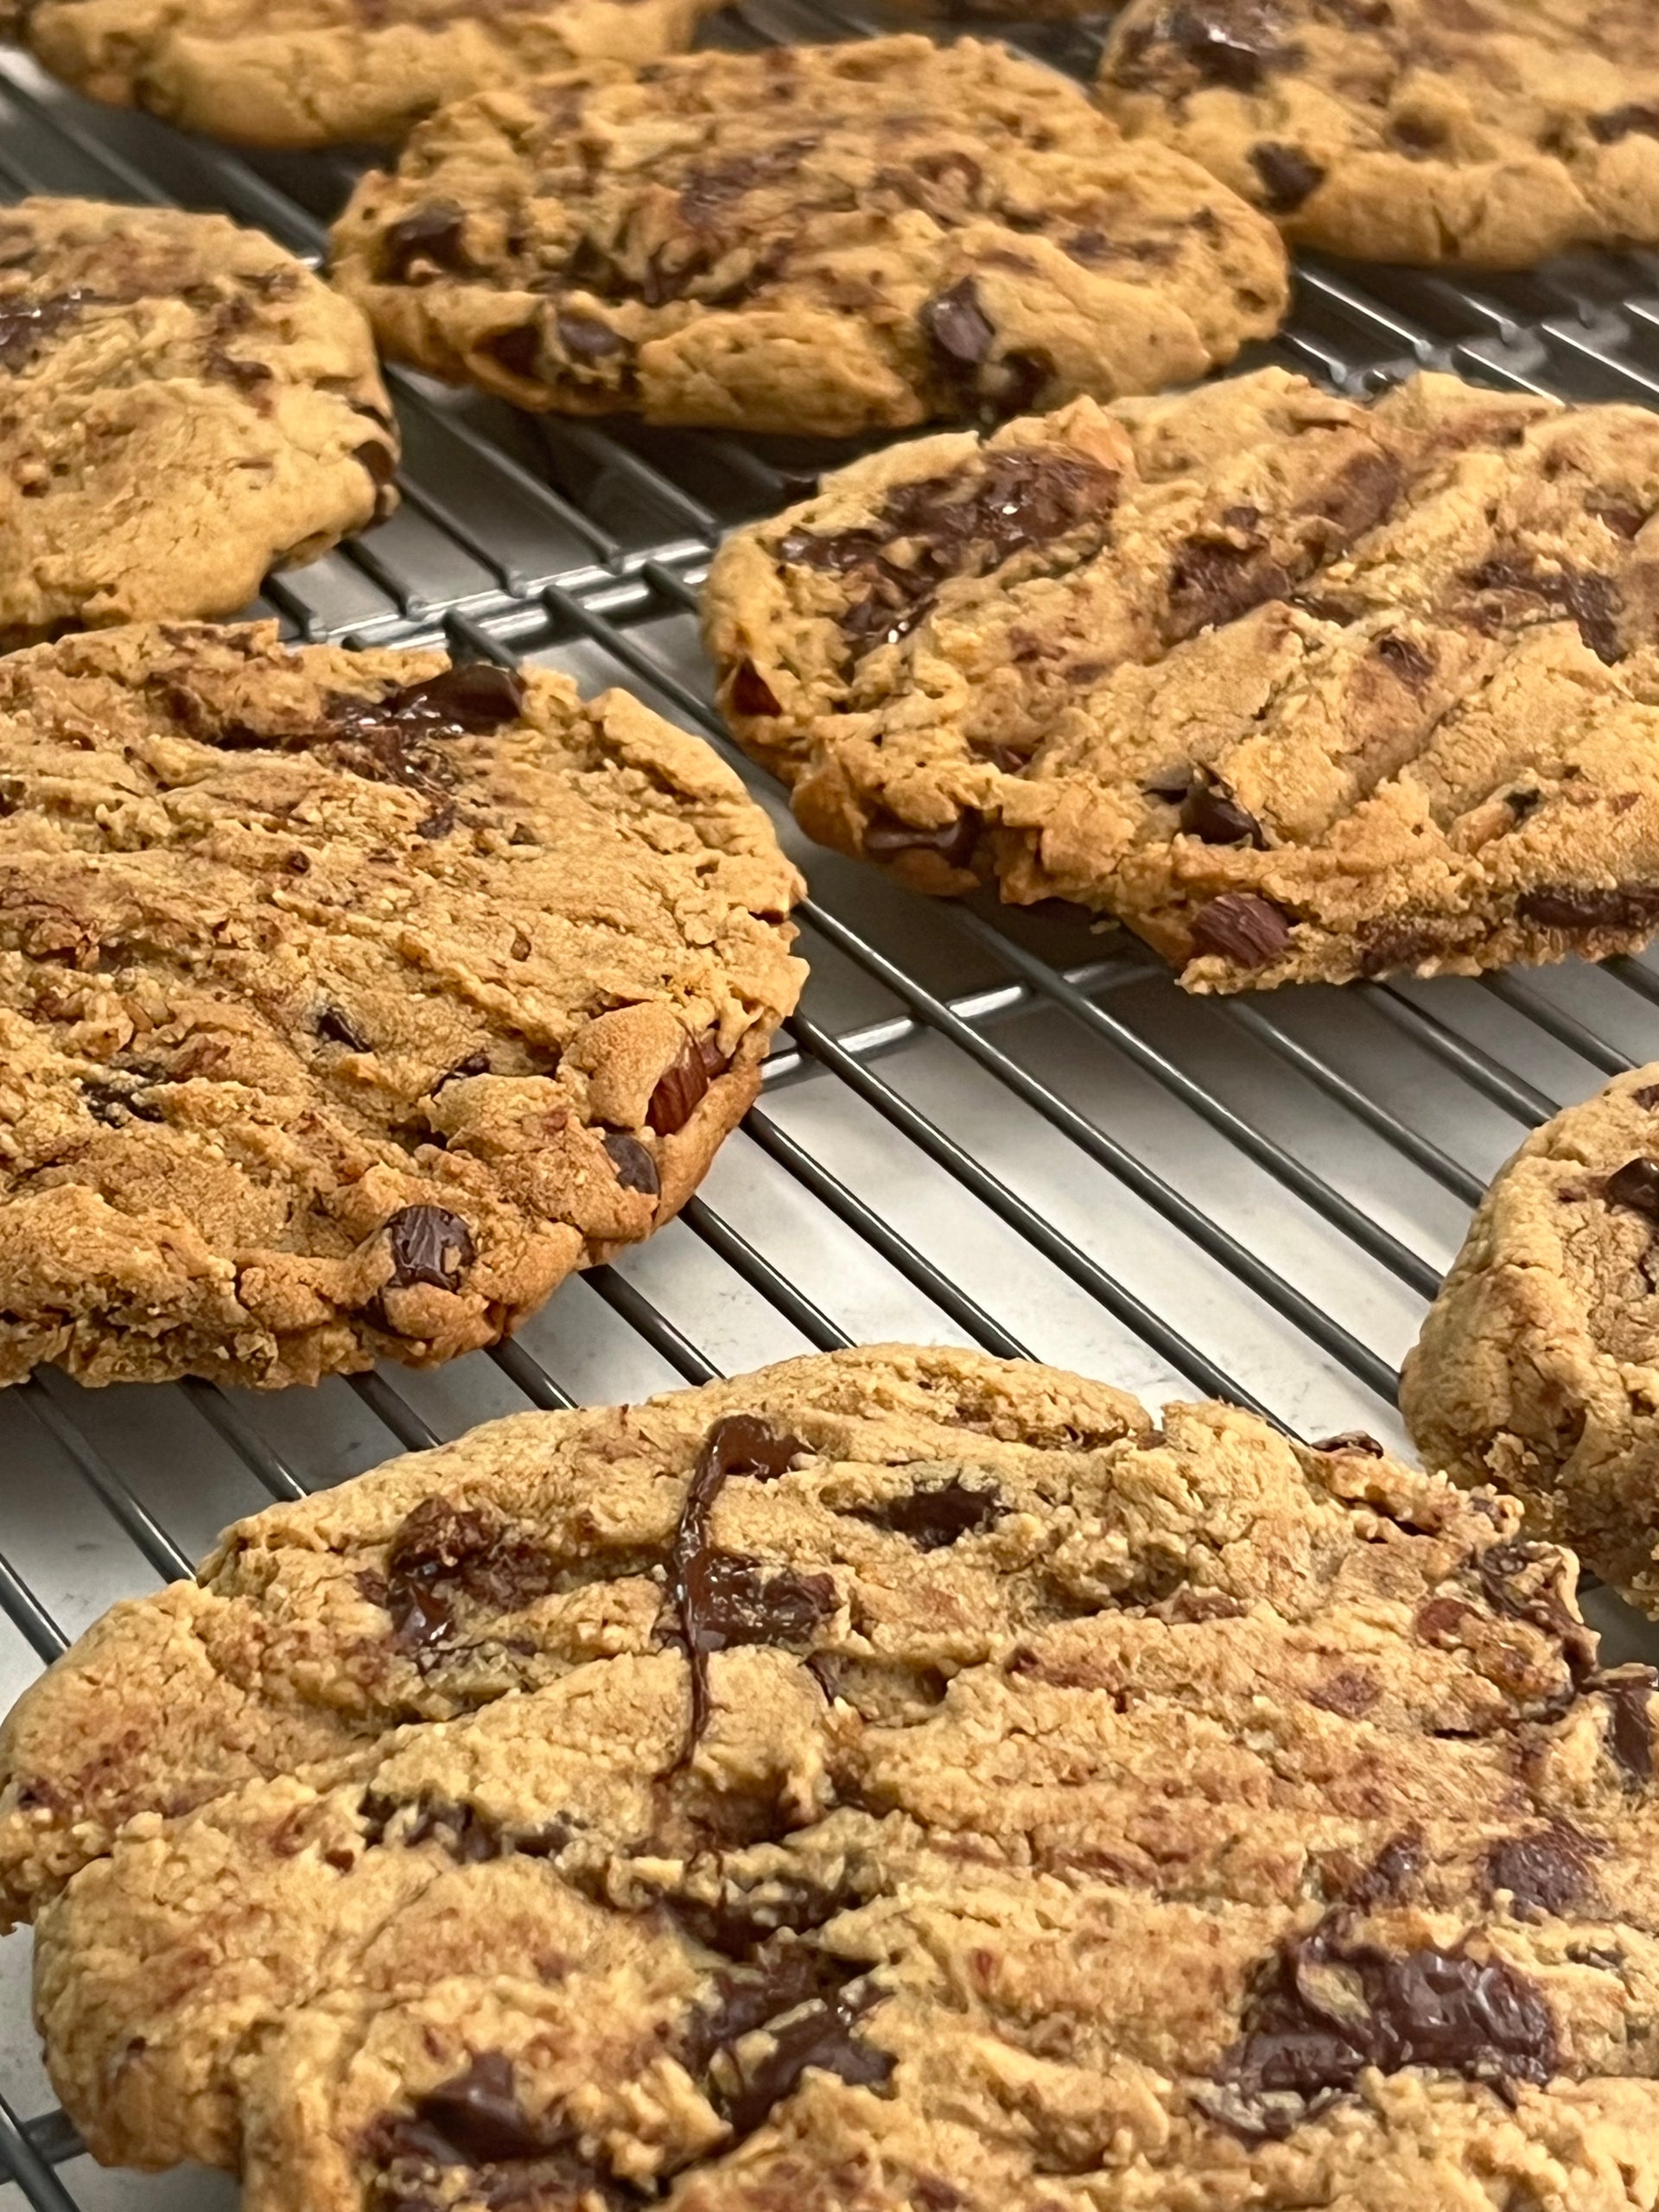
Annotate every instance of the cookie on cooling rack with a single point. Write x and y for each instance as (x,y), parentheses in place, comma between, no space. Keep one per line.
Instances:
(318,72)
(1299,689)
(349,1000)
(1538,1366)
(897,1779)
(183,406)
(823,239)
(1485,132)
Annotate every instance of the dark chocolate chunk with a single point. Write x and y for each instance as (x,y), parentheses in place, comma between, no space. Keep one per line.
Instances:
(117,1098)
(750,693)
(1624,522)
(739,1923)
(1620,121)
(1352,1440)
(378,458)
(635,1168)
(680,1090)
(1630,1725)
(26,324)
(1212,580)
(957,327)
(475,697)
(431,234)
(1227,43)
(248,377)
(519,351)
(1288,176)
(1242,927)
(1211,812)
(476,1063)
(933,1519)
(1647,1097)
(885,836)
(1521,804)
(740,1603)
(828,2038)
(1411,663)
(442,1552)
(430,1244)
(1573,906)
(1545,1872)
(334,1023)
(1595,602)
(1525,1580)
(478,2114)
(1634,1186)
(588,341)
(740,1444)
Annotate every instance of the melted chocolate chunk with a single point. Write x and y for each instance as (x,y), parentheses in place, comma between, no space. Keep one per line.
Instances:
(957,328)
(1411,663)
(1288,176)
(334,1023)
(587,342)
(478,2113)
(1228,43)
(518,352)
(26,324)
(635,1168)
(934,1519)
(681,1087)
(1635,1187)
(1326,2010)
(1620,121)
(1352,1440)
(474,697)
(750,693)
(885,836)
(741,1604)
(698,1576)
(1593,601)
(1648,1096)
(465,1834)
(433,235)
(739,1923)
(1212,580)
(442,1552)
(430,1244)
(1242,927)
(1211,812)
(1544,1872)
(1630,1727)
(1572,907)
(827,2038)
(1525,1581)
(476,1063)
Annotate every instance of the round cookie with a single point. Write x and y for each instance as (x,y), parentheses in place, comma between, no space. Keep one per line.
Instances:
(895,1780)
(826,239)
(349,1000)
(1488,132)
(183,406)
(1538,1365)
(319,72)
(1299,689)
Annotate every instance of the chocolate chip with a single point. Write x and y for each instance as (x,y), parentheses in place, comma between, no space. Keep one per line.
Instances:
(750,693)
(26,324)
(635,1168)
(1572,906)
(934,1519)
(473,696)
(680,1090)
(431,234)
(1211,812)
(1526,1580)
(380,459)
(1228,43)
(885,837)
(1630,1728)
(476,1063)
(1242,927)
(1212,580)
(478,2113)
(430,1244)
(1624,522)
(1411,663)
(441,1553)
(1521,804)
(588,341)
(1327,2011)
(740,1603)
(1647,1097)
(1288,176)
(518,352)
(334,1023)
(1352,1440)
(1620,121)
(827,2038)
(740,1444)
(957,326)
(1593,601)
(1544,1872)
(1634,1186)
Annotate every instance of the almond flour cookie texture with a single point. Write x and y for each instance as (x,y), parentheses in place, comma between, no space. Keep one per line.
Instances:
(1491,132)
(349,1000)
(182,407)
(1538,1366)
(821,240)
(317,72)
(896,1782)
(1297,687)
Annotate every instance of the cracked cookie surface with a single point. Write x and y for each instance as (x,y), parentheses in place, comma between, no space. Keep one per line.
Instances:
(897,1779)
(183,406)
(1538,1365)
(1488,132)
(350,1001)
(827,239)
(1299,689)
(318,72)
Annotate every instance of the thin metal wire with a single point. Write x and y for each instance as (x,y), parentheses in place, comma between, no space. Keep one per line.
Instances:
(25,1609)
(29,2169)
(48,1397)
(411,1430)
(249,1446)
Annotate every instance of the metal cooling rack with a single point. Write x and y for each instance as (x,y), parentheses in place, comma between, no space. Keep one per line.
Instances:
(983,1126)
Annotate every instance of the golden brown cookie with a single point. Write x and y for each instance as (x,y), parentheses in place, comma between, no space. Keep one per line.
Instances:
(182,407)
(1491,132)
(349,1000)
(898,1781)
(1300,688)
(813,238)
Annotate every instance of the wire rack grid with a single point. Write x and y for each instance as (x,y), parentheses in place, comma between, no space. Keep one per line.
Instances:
(986,1127)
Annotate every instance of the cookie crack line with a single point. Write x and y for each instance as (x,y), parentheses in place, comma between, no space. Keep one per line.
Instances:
(397,1806)
(1300,688)
(351,1001)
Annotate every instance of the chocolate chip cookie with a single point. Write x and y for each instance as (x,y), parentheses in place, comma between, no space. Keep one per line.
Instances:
(899,1779)
(350,1001)
(1489,132)
(1299,689)
(824,239)
(318,72)
(182,407)
(1538,1366)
